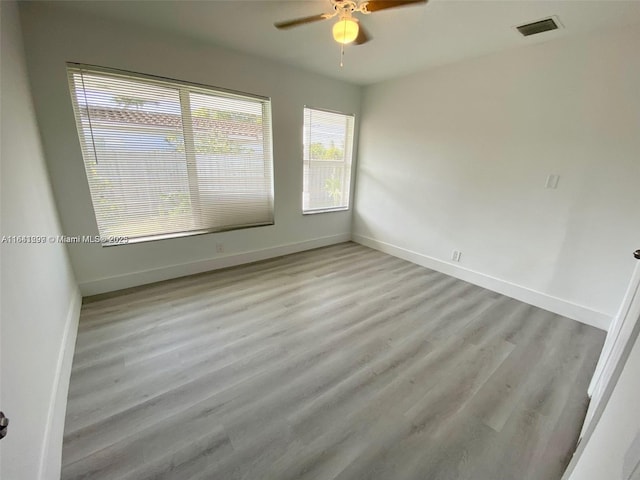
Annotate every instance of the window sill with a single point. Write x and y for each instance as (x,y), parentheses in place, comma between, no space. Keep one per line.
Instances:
(191,233)
(325,210)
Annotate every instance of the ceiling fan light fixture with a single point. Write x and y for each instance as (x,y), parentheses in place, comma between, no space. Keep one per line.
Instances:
(345,30)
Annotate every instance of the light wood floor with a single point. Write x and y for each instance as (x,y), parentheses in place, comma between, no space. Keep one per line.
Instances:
(338,363)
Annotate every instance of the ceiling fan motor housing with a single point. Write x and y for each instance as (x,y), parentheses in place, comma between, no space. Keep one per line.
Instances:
(347,7)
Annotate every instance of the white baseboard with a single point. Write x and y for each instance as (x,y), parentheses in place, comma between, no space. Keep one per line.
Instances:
(547,302)
(110,284)
(51,459)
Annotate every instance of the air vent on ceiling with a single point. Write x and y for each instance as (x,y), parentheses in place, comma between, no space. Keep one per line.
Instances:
(538,27)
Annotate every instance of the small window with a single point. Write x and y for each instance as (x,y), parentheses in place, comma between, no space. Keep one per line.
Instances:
(166,159)
(328,146)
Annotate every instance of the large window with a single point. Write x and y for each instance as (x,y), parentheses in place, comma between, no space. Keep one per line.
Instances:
(166,159)
(328,145)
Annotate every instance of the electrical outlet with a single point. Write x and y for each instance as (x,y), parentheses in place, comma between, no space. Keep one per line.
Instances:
(455,255)
(220,247)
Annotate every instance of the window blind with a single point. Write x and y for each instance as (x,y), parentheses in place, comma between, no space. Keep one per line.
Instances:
(165,158)
(328,147)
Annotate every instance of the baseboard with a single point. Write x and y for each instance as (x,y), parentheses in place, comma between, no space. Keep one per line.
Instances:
(51,458)
(110,284)
(539,299)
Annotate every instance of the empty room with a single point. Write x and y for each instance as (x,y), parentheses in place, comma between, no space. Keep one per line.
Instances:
(323,239)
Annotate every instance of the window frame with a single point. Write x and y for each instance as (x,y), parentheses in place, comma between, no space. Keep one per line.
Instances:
(317,211)
(183,88)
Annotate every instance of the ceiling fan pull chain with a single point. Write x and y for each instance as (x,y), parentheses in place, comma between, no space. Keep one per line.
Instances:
(344,33)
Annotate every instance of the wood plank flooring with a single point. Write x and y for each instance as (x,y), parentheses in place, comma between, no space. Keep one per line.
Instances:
(337,363)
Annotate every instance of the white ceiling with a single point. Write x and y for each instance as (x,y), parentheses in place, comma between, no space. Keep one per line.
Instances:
(404,40)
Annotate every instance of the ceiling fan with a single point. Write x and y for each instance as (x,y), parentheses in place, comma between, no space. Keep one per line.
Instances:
(347,29)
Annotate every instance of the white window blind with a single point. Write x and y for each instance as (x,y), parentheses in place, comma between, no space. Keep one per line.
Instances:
(328,147)
(165,158)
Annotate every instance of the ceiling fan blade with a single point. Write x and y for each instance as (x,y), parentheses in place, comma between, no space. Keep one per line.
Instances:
(363,36)
(300,21)
(376,5)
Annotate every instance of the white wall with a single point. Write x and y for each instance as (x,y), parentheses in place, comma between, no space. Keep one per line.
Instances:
(457,158)
(40,299)
(611,450)
(52,38)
